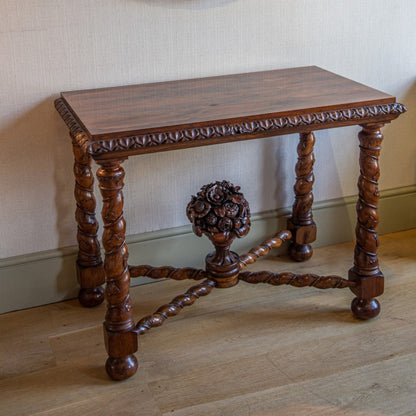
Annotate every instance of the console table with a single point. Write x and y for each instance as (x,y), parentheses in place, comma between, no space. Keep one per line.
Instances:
(112,124)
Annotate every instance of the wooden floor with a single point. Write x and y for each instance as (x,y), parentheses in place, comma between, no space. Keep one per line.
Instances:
(250,350)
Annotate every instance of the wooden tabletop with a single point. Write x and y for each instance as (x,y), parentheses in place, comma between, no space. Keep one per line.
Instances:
(227,104)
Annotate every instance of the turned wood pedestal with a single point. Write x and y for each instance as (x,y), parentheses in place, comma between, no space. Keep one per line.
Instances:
(112,124)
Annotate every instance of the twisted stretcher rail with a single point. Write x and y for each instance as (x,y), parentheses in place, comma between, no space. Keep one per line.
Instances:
(203,289)
(264,248)
(297,280)
(167,272)
(175,306)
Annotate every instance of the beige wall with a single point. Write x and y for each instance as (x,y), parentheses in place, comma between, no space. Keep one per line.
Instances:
(47,46)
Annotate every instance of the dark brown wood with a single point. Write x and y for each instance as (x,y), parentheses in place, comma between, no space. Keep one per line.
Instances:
(220,212)
(120,338)
(297,280)
(366,270)
(90,269)
(175,306)
(167,272)
(163,116)
(264,248)
(112,124)
(111,112)
(301,223)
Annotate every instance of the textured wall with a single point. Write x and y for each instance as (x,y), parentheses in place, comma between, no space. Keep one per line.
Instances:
(48,46)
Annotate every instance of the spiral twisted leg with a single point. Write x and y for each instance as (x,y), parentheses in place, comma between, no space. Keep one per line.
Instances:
(120,336)
(90,270)
(366,272)
(301,223)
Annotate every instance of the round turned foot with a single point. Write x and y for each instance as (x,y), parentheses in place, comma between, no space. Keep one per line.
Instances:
(121,368)
(365,309)
(91,297)
(300,252)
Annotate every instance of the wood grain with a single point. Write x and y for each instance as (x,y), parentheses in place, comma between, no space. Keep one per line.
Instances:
(280,354)
(136,108)
(157,117)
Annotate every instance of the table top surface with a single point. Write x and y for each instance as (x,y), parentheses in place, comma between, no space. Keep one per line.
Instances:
(138,109)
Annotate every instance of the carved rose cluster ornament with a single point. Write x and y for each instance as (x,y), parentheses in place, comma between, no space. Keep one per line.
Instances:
(219,208)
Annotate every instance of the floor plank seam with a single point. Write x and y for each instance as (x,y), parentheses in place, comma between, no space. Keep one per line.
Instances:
(248,395)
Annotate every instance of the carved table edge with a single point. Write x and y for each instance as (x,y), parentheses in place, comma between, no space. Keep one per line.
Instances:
(75,130)
(141,142)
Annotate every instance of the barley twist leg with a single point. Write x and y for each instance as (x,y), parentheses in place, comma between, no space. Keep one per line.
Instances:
(301,223)
(90,270)
(366,272)
(119,333)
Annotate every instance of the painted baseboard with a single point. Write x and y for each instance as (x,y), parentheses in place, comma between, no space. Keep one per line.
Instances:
(47,277)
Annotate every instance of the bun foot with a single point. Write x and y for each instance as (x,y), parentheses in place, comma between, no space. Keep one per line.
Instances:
(365,309)
(300,252)
(91,297)
(121,368)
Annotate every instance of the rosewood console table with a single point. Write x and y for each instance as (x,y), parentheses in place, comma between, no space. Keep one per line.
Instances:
(111,124)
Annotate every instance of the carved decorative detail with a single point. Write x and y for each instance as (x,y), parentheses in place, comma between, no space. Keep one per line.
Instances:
(366,272)
(365,258)
(297,280)
(168,272)
(316,120)
(301,222)
(270,125)
(89,246)
(175,306)
(302,207)
(77,133)
(264,248)
(219,211)
(118,317)
(89,263)
(119,335)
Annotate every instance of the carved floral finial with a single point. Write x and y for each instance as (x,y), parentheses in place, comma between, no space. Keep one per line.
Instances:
(220,211)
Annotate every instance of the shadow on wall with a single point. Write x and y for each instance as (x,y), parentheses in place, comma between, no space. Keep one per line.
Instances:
(38,156)
(187,4)
(65,225)
(335,221)
(410,101)
(398,131)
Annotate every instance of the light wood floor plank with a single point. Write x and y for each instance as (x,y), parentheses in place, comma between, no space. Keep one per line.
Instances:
(135,401)
(382,389)
(250,350)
